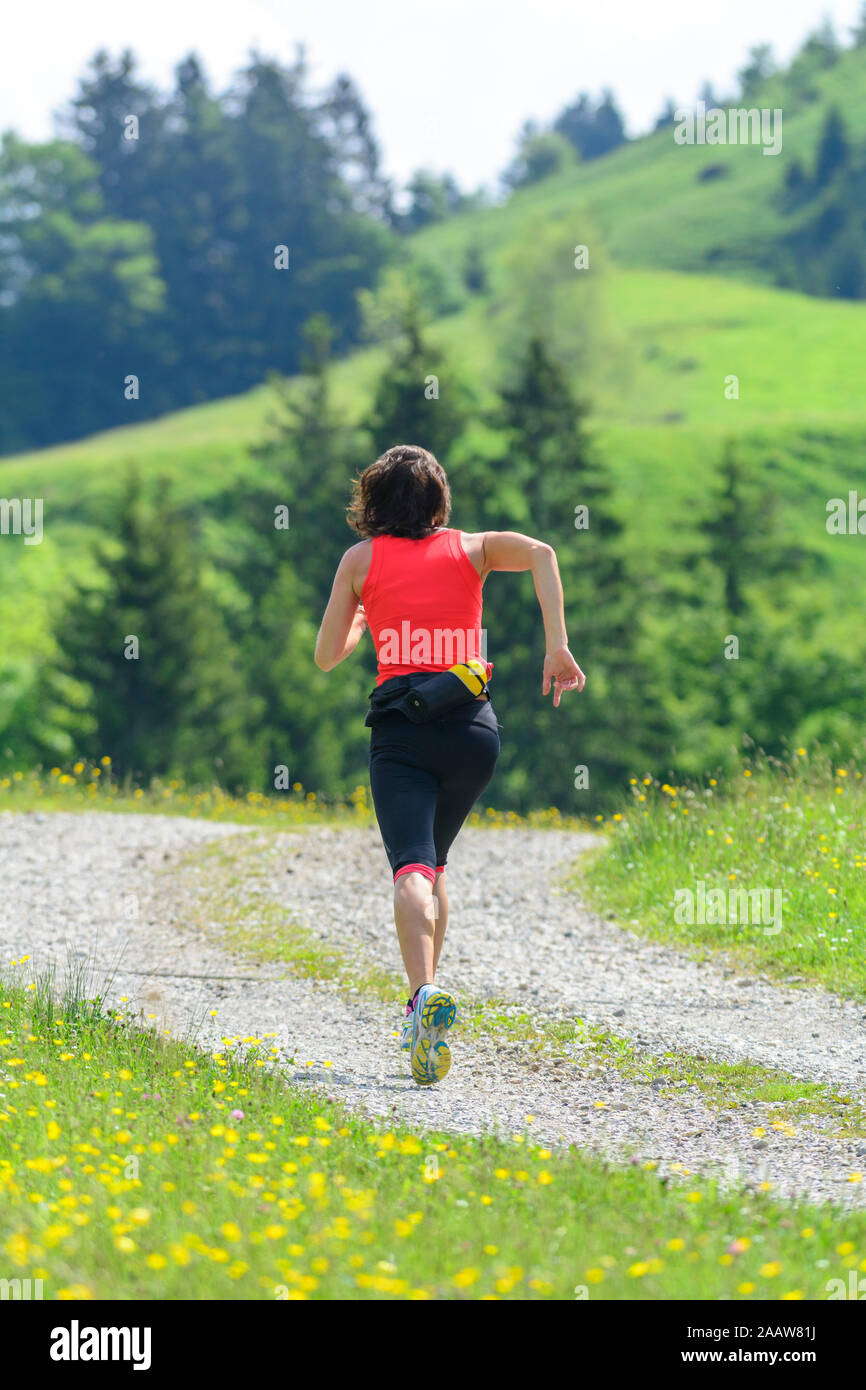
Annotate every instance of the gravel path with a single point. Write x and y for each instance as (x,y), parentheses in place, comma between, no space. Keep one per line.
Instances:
(114,891)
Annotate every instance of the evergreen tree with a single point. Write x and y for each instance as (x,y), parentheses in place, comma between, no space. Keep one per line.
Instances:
(200,242)
(350,132)
(80,293)
(796,181)
(432,198)
(129,161)
(592,129)
(474,269)
(560,493)
(200,195)
(847,265)
(311,721)
(305,465)
(148,645)
(754,572)
(609,129)
(822,46)
(709,97)
(667,116)
(539,154)
(732,532)
(416,401)
(760,67)
(833,148)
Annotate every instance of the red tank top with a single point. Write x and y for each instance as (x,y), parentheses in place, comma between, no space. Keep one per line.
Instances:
(423,603)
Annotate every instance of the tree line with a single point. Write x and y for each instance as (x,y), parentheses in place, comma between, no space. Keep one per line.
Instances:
(220,684)
(140,249)
(142,243)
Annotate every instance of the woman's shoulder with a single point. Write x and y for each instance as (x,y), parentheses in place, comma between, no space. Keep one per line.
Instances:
(355,563)
(356,554)
(472,543)
(472,538)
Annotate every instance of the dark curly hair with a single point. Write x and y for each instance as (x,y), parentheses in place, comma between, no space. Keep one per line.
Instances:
(404,493)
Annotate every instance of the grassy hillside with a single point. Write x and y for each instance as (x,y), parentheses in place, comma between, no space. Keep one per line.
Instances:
(661,420)
(650,205)
(650,346)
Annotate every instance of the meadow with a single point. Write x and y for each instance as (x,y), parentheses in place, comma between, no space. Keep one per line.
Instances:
(796,827)
(135,1166)
(89,785)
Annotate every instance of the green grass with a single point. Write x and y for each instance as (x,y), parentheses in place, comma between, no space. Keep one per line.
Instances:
(136,1167)
(798,829)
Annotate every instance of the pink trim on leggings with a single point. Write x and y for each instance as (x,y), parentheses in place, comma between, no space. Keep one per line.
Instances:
(416,869)
(440,868)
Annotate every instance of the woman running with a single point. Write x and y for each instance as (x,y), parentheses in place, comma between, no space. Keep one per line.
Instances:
(416,583)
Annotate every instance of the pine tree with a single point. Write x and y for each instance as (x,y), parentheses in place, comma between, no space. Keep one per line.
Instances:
(731,533)
(130,162)
(310,721)
(833,148)
(592,129)
(416,401)
(561,494)
(350,132)
(754,572)
(667,115)
(474,269)
(146,641)
(760,67)
(796,181)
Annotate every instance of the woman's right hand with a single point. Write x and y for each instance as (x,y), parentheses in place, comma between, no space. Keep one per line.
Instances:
(561,668)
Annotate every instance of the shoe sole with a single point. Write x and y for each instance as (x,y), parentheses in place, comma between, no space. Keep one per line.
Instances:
(431,1055)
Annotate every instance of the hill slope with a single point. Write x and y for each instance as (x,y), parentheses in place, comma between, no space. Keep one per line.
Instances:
(651,203)
(651,347)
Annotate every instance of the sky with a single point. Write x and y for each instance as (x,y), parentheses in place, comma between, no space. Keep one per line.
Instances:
(448,82)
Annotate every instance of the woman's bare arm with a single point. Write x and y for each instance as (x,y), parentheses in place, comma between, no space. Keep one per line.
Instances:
(344,622)
(511,551)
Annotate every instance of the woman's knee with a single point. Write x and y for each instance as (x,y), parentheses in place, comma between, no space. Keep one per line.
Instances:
(413,892)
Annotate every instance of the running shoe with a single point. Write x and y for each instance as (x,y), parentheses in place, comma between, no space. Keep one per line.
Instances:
(406,1030)
(435,1012)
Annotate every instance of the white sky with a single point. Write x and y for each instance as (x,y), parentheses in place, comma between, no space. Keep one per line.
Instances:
(449,82)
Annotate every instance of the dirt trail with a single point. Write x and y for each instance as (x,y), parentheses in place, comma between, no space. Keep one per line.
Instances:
(113,890)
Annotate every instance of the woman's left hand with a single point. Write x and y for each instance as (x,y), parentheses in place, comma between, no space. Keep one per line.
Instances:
(561,668)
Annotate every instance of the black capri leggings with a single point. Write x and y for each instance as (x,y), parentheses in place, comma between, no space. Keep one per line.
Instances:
(425,779)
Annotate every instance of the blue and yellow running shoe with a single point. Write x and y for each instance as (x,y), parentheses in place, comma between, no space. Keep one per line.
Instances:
(435,1012)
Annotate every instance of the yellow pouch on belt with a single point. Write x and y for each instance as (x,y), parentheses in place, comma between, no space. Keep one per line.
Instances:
(460,683)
